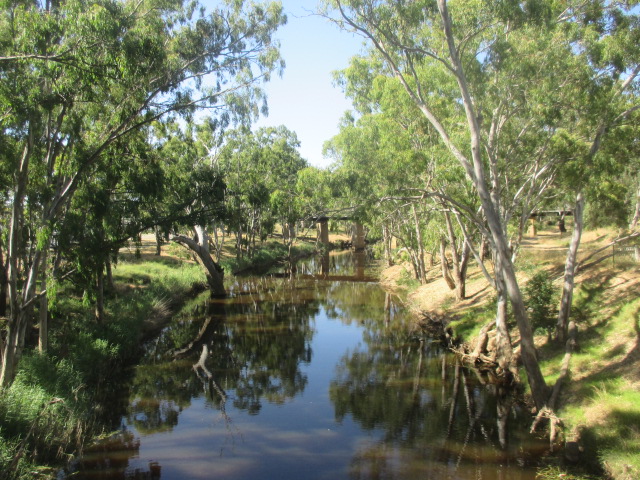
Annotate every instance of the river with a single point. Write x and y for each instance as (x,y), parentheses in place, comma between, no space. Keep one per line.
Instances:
(321,376)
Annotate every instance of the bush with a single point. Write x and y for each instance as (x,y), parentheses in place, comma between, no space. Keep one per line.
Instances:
(42,414)
(539,301)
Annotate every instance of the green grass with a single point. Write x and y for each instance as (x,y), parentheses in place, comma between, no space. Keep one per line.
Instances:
(55,401)
(609,419)
(556,473)
(468,325)
(266,256)
(408,281)
(602,404)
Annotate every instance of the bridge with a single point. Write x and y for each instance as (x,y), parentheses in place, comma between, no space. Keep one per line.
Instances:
(551,213)
(559,213)
(358,237)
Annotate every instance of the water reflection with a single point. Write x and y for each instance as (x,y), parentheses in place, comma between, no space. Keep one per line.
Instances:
(312,377)
(109,459)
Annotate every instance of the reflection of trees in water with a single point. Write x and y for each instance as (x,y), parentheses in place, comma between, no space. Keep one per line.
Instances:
(360,303)
(268,341)
(392,386)
(255,343)
(159,392)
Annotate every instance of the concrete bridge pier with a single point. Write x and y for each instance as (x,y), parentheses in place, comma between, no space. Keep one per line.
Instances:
(324,231)
(358,236)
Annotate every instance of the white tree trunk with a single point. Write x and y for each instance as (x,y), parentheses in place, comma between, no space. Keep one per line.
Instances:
(569,271)
(213,271)
(636,216)
(421,266)
(501,249)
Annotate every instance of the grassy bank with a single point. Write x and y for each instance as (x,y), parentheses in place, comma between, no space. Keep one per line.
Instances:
(57,399)
(600,404)
(270,254)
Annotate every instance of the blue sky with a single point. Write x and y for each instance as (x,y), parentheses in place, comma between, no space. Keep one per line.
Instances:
(304,99)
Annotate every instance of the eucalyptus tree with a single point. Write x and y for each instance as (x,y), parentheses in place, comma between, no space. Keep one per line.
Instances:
(78,76)
(607,35)
(193,192)
(109,207)
(281,162)
(521,71)
(315,190)
(419,44)
(394,140)
(375,168)
(260,169)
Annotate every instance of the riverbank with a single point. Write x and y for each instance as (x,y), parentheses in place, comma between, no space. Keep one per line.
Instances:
(60,400)
(600,406)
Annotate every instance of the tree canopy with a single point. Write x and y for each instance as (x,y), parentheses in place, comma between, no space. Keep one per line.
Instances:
(80,79)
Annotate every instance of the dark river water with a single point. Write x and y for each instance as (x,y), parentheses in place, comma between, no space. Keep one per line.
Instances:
(317,377)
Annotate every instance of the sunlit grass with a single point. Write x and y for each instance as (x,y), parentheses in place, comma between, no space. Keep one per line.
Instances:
(55,395)
(468,325)
(602,402)
(266,255)
(555,473)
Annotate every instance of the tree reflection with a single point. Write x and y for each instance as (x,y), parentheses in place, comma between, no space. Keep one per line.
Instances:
(109,460)
(392,386)
(251,346)
(268,341)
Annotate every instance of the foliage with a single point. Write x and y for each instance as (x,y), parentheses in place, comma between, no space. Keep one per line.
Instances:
(539,294)
(52,405)
(44,412)
(82,81)
(261,173)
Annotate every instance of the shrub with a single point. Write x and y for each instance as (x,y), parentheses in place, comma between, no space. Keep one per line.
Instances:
(538,298)
(42,414)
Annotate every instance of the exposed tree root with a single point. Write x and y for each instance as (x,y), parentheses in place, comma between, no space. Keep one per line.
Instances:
(548,412)
(481,342)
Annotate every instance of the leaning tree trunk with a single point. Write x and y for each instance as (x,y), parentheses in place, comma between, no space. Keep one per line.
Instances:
(475,169)
(444,263)
(213,271)
(476,172)
(569,271)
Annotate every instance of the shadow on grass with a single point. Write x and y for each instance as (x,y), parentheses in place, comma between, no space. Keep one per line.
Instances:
(586,303)
(619,437)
